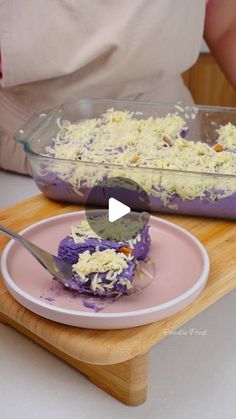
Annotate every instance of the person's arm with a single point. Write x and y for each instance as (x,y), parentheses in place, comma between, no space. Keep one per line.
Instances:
(220,35)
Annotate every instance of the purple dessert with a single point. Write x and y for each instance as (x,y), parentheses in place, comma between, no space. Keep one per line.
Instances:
(102,267)
(223,207)
(69,250)
(103,273)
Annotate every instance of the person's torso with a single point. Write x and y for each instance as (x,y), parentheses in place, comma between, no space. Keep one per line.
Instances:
(56,51)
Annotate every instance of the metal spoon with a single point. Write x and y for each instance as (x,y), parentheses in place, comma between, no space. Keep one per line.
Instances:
(62,271)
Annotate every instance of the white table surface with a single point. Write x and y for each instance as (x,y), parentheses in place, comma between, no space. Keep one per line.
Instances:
(192,374)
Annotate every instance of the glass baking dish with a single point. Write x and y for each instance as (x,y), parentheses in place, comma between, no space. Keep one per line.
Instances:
(214,194)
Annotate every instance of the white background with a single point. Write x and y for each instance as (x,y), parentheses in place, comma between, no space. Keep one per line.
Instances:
(190,376)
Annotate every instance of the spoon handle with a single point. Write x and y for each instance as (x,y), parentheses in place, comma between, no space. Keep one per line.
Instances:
(10,233)
(29,246)
(59,269)
(41,255)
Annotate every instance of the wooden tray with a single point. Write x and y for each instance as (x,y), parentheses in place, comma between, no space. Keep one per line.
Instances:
(117,361)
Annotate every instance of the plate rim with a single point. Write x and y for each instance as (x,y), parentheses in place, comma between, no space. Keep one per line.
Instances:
(10,284)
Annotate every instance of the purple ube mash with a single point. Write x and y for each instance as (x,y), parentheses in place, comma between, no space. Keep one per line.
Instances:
(58,189)
(204,206)
(69,251)
(85,287)
(184,132)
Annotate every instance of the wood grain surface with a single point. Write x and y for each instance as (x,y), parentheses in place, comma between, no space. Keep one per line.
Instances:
(208,84)
(126,381)
(118,346)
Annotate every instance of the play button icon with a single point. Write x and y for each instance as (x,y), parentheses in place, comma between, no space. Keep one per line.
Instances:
(116,210)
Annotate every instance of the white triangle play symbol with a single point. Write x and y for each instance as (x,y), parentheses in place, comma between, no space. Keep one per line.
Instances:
(116,210)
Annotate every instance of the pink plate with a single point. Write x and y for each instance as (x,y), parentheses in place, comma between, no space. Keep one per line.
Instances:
(180,262)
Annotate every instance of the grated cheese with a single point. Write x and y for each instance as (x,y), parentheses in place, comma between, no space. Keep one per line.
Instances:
(227,136)
(126,282)
(112,138)
(83,231)
(120,138)
(101,261)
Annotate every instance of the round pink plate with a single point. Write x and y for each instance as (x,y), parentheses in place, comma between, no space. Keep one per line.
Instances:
(180,265)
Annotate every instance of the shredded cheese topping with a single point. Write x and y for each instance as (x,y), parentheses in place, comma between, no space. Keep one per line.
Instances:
(99,262)
(227,136)
(113,137)
(120,138)
(116,231)
(83,232)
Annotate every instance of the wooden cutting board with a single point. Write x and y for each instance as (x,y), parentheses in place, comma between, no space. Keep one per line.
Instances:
(116,360)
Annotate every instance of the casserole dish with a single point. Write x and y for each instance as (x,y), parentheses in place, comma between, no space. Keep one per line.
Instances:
(205,191)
